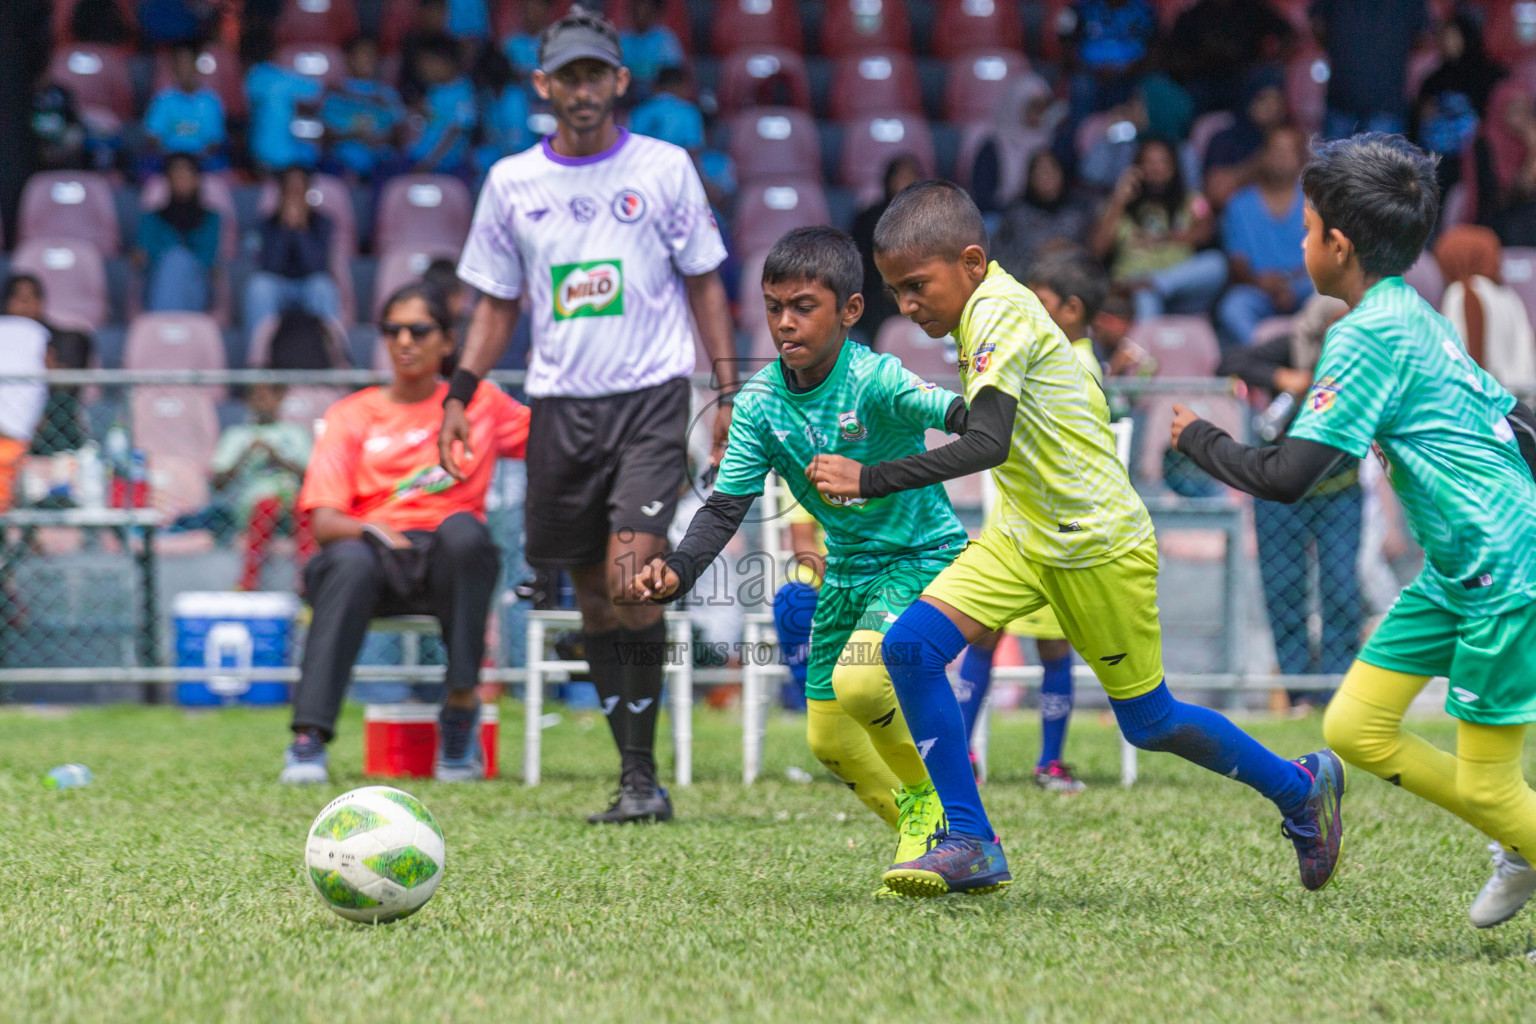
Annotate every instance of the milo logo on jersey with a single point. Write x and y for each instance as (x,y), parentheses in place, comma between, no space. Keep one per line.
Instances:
(595,288)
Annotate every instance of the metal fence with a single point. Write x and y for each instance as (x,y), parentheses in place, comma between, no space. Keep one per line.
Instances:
(115,520)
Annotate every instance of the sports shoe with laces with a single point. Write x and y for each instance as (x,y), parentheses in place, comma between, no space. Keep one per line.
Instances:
(639,798)
(305,762)
(459,754)
(1057,777)
(1318,831)
(918,816)
(953,863)
(1512,884)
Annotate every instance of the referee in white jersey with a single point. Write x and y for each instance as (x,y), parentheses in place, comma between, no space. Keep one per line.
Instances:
(608,239)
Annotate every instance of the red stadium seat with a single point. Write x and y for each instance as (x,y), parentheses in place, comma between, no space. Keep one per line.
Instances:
(1426,278)
(330,196)
(221,73)
(1421,64)
(317,21)
(766,210)
(873,142)
(216,195)
(875,82)
(966,25)
(404,263)
(674,15)
(1057,23)
(74,279)
(97,76)
(1511,34)
(1206,127)
(70,204)
(756,23)
(855,26)
(174,341)
(775,142)
(1184,346)
(1306,87)
(175,422)
(750,78)
(424,209)
(978,81)
(315,60)
(927,357)
(1168,11)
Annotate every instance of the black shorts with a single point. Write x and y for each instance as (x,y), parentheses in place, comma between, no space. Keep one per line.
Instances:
(599,466)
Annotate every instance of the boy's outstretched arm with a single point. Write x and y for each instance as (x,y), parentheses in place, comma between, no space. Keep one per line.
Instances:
(713,526)
(985,429)
(1279,472)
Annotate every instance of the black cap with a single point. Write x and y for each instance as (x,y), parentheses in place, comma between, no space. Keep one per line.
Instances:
(572,42)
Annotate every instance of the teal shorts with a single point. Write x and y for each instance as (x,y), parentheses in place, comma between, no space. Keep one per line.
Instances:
(873,604)
(1489,660)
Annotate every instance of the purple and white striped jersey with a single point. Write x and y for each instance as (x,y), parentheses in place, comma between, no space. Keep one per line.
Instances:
(598,246)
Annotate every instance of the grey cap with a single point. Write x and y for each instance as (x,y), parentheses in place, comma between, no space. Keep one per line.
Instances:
(578,42)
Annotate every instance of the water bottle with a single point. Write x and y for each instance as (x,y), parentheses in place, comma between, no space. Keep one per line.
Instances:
(1271,423)
(67,776)
(117,450)
(90,485)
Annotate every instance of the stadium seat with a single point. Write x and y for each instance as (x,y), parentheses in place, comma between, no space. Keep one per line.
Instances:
(1058,21)
(760,348)
(977,83)
(423,209)
(1426,278)
(178,429)
(330,196)
(874,82)
(1306,87)
(756,23)
(1519,273)
(1511,35)
(674,15)
(1168,11)
(1206,127)
(751,77)
(1421,64)
(872,143)
(765,210)
(924,356)
(1271,328)
(505,17)
(315,60)
(1015,149)
(261,344)
(1184,346)
(967,25)
(98,77)
(855,26)
(220,69)
(70,204)
(175,341)
(775,142)
(317,21)
(404,263)
(74,279)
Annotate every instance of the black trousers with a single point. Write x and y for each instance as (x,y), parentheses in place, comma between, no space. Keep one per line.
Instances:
(449,573)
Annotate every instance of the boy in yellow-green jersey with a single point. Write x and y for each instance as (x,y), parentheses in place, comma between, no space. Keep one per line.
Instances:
(1074,535)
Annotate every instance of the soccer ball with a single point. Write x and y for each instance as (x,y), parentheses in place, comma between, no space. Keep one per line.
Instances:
(375,855)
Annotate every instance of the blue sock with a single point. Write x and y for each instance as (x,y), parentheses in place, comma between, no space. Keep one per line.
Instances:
(917,649)
(1055,707)
(976,673)
(794,606)
(1155,721)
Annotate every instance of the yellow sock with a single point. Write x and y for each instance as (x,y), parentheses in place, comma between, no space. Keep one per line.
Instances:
(864,691)
(1492,785)
(839,743)
(1363,725)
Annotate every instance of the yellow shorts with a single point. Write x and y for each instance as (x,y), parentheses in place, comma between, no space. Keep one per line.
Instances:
(1108,612)
(1040,624)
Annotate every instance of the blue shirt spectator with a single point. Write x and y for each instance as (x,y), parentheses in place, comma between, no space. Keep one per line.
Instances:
(178,243)
(671,118)
(503,125)
(449,114)
(1268,242)
(186,117)
(362,115)
(649,45)
(1114,34)
(1261,233)
(468,19)
(274,94)
(522,46)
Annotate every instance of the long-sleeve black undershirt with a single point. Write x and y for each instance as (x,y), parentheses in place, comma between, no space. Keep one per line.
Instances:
(984,428)
(1276,472)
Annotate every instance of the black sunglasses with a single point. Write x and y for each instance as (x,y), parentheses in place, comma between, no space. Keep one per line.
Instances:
(419,331)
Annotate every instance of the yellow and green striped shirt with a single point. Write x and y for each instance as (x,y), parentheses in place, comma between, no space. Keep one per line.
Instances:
(1064,495)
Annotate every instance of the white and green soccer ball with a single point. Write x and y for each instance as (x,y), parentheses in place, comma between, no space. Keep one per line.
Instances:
(375,854)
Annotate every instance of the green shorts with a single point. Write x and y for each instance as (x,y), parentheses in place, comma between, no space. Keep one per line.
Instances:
(1490,660)
(873,604)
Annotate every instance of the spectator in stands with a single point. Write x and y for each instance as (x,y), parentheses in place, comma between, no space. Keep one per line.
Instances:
(1261,232)
(187,116)
(259,465)
(1112,343)
(1051,208)
(1214,43)
(362,116)
(467,20)
(504,109)
(1023,124)
(1318,536)
(431,22)
(23,296)
(1453,99)
(101,22)
(293,263)
(175,21)
(178,244)
(1110,42)
(56,126)
(670,114)
(442,120)
(23,347)
(522,46)
(398,536)
(1158,109)
(650,46)
(1368,43)
(902,171)
(62,427)
(1490,316)
(1504,155)
(1232,156)
(276,96)
(1151,236)
(303,341)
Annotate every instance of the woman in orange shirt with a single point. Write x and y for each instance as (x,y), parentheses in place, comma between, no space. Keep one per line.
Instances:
(398,535)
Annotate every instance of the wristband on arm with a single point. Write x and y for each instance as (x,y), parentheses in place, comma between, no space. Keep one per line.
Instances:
(462,386)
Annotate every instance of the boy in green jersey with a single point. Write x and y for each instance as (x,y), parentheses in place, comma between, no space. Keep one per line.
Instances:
(1395,378)
(828,394)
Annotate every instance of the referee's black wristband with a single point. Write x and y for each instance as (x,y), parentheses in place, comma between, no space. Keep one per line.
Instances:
(462,386)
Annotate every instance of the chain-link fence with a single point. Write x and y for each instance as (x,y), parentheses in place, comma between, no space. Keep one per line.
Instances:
(148,499)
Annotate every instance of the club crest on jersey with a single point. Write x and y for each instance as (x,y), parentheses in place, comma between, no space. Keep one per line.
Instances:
(980,362)
(1323,392)
(838,501)
(583,208)
(852,429)
(595,288)
(628,206)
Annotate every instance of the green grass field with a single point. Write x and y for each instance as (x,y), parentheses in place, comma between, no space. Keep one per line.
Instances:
(171,889)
